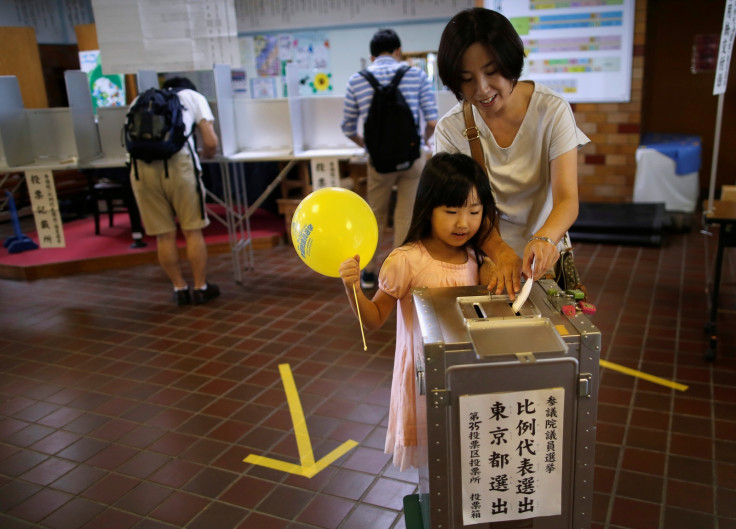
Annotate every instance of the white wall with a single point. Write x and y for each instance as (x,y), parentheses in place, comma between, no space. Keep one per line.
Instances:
(349,46)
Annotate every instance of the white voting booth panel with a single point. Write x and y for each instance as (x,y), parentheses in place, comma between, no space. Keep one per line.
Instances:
(86,137)
(262,125)
(14,134)
(656,181)
(316,121)
(110,122)
(33,136)
(51,134)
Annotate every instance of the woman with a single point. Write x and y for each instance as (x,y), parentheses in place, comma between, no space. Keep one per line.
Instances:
(529,141)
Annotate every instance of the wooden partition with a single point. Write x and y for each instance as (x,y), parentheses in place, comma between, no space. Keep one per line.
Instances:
(20,58)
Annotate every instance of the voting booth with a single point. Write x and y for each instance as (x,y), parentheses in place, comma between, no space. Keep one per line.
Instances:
(667,168)
(506,409)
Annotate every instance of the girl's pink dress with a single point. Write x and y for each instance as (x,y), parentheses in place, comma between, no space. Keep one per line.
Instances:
(405,268)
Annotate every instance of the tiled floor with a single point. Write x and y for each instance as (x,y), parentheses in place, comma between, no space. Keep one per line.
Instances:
(119,410)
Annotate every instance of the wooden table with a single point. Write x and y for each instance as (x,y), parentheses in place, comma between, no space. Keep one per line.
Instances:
(723,214)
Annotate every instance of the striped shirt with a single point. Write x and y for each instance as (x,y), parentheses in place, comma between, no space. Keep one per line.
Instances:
(415,87)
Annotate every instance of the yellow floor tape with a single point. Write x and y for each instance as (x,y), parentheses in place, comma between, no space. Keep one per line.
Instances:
(308,467)
(638,374)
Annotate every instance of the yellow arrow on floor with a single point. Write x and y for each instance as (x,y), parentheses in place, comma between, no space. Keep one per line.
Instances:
(308,467)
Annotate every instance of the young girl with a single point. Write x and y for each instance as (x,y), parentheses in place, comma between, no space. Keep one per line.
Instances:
(453,214)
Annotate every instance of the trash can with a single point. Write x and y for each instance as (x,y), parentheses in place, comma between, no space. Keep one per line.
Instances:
(506,409)
(667,167)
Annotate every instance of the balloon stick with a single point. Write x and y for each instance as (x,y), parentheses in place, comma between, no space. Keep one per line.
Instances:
(357,307)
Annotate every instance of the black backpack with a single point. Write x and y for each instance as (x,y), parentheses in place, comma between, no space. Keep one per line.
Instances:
(154,126)
(390,134)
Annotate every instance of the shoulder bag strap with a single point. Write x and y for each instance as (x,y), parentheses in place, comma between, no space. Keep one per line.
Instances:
(472,134)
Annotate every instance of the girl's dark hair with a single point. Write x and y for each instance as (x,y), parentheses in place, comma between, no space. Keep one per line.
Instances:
(489,28)
(447,180)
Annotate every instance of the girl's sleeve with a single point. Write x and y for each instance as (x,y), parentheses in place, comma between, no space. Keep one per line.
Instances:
(395,275)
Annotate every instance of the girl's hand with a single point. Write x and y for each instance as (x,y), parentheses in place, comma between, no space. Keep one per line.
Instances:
(350,272)
(546,255)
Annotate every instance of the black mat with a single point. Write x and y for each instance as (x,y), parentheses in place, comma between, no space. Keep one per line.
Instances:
(640,224)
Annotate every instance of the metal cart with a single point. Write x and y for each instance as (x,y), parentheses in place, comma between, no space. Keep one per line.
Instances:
(506,409)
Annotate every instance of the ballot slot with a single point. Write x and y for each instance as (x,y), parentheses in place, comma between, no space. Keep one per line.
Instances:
(494,307)
(481,313)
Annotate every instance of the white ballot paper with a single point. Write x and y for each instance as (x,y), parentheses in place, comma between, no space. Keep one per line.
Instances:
(521,298)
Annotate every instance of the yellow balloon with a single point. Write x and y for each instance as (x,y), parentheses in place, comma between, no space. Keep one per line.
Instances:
(333,224)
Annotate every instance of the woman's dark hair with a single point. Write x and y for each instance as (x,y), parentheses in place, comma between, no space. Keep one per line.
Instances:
(384,40)
(447,180)
(489,28)
(179,82)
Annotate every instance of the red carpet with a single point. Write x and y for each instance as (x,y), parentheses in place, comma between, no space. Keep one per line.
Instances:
(87,252)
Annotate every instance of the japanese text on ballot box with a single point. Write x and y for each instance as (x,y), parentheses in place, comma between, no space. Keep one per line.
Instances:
(511,455)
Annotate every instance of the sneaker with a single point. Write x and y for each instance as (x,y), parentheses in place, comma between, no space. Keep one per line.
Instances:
(200,296)
(367,280)
(182,297)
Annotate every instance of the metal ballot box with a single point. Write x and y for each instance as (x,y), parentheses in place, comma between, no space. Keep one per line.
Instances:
(506,409)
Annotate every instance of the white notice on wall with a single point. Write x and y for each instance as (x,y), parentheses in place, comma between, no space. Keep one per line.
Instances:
(725,48)
(283,15)
(166,35)
(511,455)
(45,207)
(325,173)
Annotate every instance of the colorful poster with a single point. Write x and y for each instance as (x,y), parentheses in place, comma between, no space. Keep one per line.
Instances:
(268,55)
(582,49)
(263,87)
(106,90)
(239,79)
(266,49)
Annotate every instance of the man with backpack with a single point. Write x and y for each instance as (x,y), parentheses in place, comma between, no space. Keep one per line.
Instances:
(165,176)
(389,95)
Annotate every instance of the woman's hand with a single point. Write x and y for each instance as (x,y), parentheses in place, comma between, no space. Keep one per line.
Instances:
(544,252)
(507,272)
(350,272)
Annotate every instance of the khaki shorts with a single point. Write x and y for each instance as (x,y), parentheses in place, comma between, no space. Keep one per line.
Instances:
(162,200)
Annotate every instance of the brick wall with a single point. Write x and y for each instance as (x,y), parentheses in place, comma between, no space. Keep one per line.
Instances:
(607,166)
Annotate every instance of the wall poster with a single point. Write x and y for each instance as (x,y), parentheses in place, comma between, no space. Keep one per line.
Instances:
(268,54)
(106,90)
(581,49)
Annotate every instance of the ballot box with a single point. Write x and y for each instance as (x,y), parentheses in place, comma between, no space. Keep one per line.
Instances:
(506,409)
(667,168)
